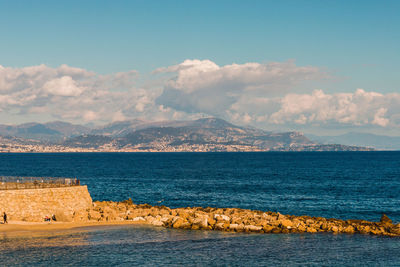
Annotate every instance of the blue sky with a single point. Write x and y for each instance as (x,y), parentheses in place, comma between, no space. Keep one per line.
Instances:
(356,42)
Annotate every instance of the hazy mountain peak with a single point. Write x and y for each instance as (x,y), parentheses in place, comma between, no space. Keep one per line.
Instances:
(211,134)
(213,122)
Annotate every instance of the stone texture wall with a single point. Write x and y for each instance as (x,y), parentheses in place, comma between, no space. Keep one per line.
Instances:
(35,204)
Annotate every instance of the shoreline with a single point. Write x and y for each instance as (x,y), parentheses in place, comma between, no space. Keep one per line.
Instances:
(34,227)
(108,213)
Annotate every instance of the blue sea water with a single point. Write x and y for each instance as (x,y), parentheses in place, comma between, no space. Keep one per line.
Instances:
(346,185)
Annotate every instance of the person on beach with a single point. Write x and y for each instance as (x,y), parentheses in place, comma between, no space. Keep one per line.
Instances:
(5,217)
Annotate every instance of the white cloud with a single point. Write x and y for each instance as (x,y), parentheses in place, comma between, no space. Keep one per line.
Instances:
(379,118)
(90,115)
(358,108)
(263,95)
(194,75)
(203,86)
(64,86)
(72,93)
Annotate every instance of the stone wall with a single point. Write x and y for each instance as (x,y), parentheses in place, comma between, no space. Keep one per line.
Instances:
(35,204)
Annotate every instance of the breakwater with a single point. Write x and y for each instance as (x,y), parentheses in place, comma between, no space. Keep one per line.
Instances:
(234,220)
(74,204)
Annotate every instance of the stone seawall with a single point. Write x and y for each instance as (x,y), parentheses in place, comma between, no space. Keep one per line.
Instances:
(35,204)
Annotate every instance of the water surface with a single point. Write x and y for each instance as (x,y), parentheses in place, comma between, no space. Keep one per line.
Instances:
(153,246)
(345,185)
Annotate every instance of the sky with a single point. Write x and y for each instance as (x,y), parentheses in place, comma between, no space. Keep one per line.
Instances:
(321,67)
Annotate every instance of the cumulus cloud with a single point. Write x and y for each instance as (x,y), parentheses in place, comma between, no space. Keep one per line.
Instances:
(358,108)
(203,86)
(64,86)
(262,95)
(72,93)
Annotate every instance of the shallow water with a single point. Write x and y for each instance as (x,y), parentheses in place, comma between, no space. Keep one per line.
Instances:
(152,246)
(345,185)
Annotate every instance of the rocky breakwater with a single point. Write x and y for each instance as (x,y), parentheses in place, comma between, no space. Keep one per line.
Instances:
(235,220)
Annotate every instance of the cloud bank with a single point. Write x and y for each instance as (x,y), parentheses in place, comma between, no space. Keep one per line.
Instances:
(251,93)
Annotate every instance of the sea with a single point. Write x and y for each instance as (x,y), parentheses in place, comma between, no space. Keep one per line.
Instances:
(345,185)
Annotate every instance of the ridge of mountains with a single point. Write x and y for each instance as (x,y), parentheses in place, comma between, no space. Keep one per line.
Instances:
(380,142)
(207,134)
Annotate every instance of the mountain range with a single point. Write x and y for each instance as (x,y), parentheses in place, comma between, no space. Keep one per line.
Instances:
(380,142)
(207,134)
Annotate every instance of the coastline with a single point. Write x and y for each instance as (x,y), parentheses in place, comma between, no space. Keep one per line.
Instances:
(108,213)
(20,227)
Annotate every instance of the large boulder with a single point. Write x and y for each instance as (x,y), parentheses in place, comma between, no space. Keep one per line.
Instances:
(201,222)
(385,220)
(94,215)
(222,217)
(252,228)
(177,222)
(395,229)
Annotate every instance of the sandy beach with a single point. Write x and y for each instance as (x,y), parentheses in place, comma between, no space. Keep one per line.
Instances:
(31,227)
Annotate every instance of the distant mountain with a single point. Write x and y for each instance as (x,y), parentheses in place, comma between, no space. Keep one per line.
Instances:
(122,128)
(380,142)
(51,131)
(119,128)
(88,141)
(67,129)
(207,134)
(211,132)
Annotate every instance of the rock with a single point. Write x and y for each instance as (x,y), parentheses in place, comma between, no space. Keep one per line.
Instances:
(94,215)
(139,219)
(228,219)
(211,221)
(149,219)
(222,217)
(325,226)
(385,220)
(219,226)
(268,228)
(236,219)
(195,227)
(266,216)
(335,229)
(178,222)
(165,219)
(309,221)
(349,229)
(233,226)
(395,229)
(285,231)
(183,214)
(202,222)
(252,228)
(365,229)
(311,230)
(276,230)
(281,216)
(301,228)
(376,231)
(287,223)
(157,223)
(110,214)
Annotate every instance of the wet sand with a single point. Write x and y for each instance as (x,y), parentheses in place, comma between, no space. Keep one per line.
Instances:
(27,227)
